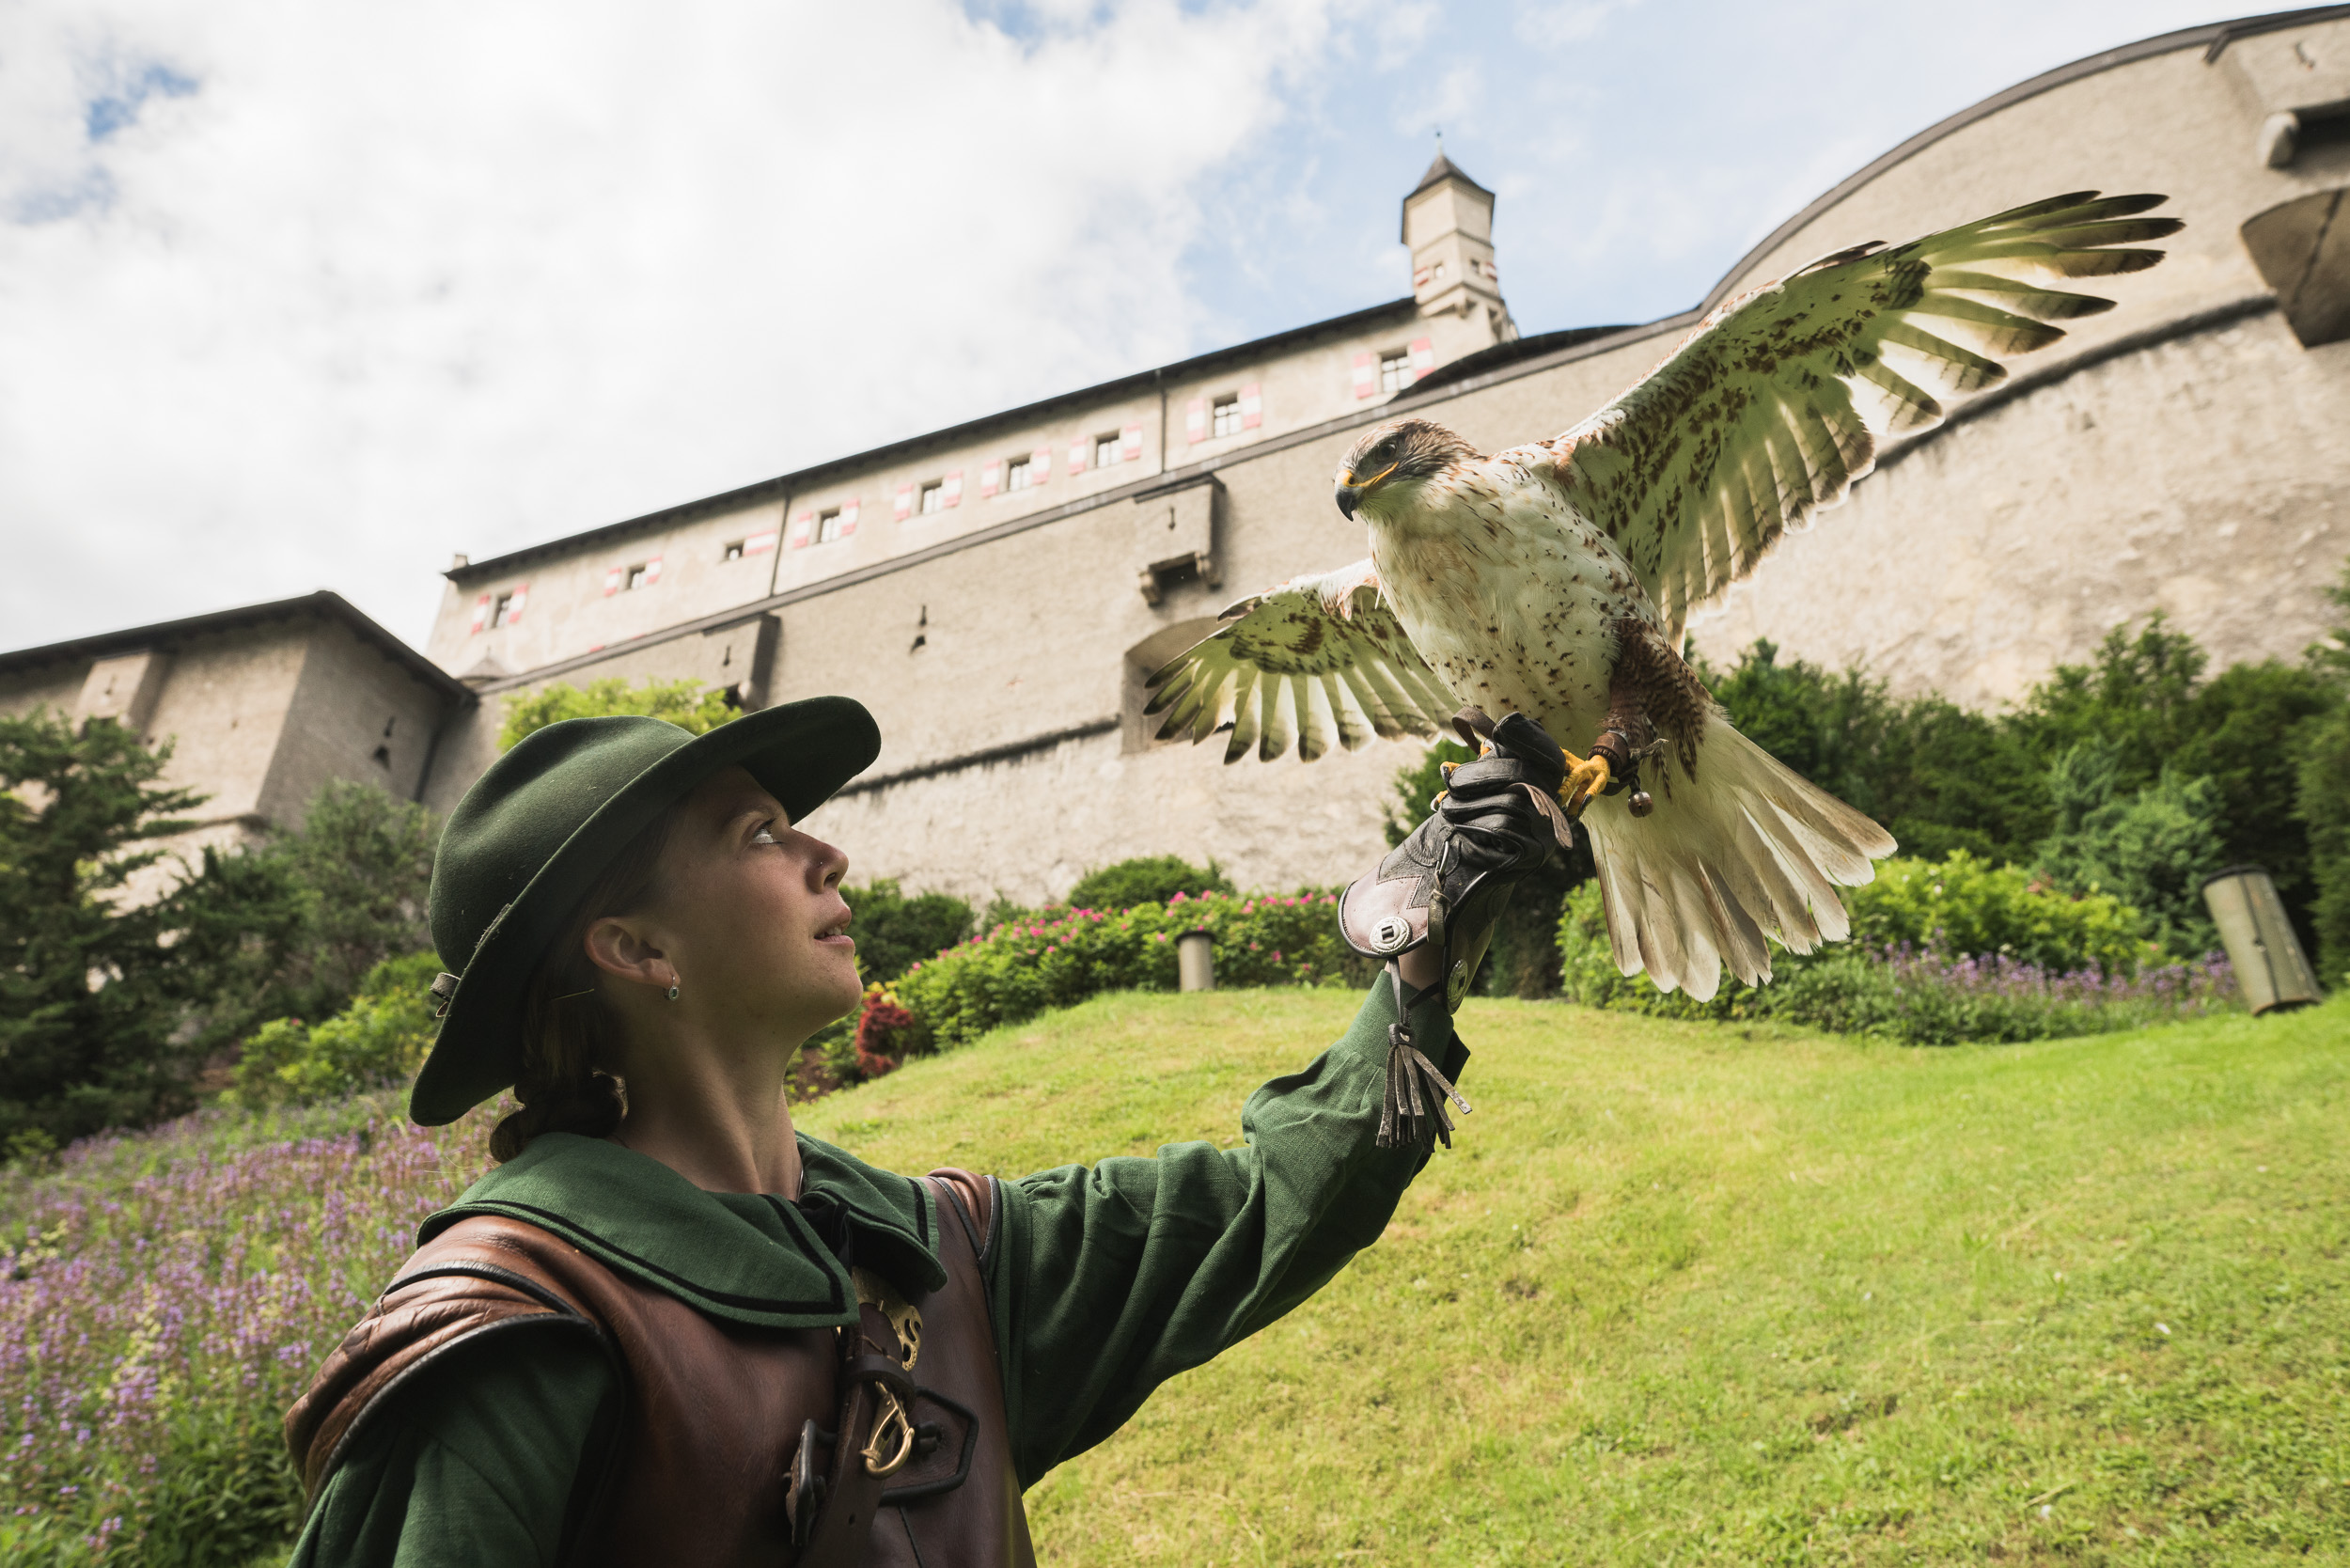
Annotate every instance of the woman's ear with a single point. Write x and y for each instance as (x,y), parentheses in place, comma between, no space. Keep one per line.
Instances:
(622,947)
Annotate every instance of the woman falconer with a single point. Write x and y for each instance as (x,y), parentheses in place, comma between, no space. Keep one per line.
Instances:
(666,1328)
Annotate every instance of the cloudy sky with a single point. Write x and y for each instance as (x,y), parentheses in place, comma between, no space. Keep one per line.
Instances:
(303,296)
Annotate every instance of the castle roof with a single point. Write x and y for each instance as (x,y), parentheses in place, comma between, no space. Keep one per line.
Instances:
(169,634)
(1441,170)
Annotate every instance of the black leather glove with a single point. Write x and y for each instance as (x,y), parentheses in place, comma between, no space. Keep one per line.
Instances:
(1445,887)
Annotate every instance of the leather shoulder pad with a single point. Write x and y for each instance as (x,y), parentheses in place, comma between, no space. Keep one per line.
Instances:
(976,1196)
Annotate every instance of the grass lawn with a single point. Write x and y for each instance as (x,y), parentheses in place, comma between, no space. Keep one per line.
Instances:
(1692,1293)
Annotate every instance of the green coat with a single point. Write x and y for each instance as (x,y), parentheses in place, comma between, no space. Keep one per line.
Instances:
(1103,1283)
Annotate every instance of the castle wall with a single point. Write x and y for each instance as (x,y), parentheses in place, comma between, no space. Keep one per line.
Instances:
(1303,381)
(2184,452)
(353,713)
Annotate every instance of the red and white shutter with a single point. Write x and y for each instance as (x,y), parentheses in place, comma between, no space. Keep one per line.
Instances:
(950,489)
(1039,466)
(760,543)
(481,612)
(992,477)
(848,516)
(1080,448)
(1366,374)
(652,572)
(902,507)
(612,580)
(1251,406)
(1423,357)
(1130,444)
(1196,420)
(516,601)
(803,529)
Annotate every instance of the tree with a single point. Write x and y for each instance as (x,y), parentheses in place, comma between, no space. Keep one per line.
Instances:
(2322,797)
(1937,776)
(2137,699)
(2152,847)
(86,1006)
(684,703)
(2246,729)
(364,863)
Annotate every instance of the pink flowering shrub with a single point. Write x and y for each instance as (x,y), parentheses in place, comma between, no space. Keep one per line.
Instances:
(1063,956)
(163,1299)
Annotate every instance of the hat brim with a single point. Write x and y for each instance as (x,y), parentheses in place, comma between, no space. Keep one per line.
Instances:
(801,753)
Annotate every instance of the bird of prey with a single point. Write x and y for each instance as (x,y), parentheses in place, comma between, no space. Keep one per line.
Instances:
(1553,578)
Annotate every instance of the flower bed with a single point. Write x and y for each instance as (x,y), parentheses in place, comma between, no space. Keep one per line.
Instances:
(163,1300)
(1918,970)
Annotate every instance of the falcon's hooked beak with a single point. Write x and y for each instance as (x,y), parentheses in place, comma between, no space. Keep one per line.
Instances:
(1352,490)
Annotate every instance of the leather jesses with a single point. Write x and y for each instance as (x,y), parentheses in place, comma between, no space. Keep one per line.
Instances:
(696,1467)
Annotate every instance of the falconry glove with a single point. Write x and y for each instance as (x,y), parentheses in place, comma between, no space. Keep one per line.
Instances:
(1445,888)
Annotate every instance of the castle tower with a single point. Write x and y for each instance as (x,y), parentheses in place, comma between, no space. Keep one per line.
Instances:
(1448,225)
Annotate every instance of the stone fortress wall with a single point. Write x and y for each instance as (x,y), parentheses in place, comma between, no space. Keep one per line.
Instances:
(2189,451)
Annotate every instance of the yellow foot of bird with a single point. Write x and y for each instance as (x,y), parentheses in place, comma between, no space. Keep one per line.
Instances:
(1586,777)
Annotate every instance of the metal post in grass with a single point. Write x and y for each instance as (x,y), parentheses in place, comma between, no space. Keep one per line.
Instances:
(1195,965)
(2269,963)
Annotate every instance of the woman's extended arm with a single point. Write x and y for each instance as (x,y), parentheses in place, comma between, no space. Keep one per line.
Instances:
(1107,1281)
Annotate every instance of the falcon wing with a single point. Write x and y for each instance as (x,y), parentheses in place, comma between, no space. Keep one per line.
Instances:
(1315,657)
(1773,407)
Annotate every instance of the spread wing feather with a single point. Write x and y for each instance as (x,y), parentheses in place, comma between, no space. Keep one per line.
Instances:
(1316,659)
(1775,405)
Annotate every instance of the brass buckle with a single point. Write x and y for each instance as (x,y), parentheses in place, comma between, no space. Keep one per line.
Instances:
(892,1410)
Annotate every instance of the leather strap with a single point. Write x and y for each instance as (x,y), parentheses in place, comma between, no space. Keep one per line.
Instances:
(874,1383)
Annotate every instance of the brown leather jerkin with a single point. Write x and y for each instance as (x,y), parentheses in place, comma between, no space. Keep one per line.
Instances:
(697,1464)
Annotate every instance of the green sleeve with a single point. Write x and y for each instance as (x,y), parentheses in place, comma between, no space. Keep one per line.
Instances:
(1106,1282)
(473,1463)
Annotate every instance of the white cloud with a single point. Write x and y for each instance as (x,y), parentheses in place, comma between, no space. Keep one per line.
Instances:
(340,289)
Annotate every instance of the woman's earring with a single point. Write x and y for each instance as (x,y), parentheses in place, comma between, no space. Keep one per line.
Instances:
(673,993)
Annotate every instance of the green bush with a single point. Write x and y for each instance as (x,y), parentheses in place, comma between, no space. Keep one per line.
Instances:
(1146,879)
(894,931)
(1016,971)
(1964,906)
(380,1038)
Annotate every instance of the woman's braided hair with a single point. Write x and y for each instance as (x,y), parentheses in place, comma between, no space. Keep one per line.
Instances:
(570,1037)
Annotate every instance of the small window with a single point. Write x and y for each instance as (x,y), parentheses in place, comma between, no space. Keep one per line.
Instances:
(1106,450)
(1227,415)
(933,499)
(504,614)
(1395,371)
(1019,474)
(636,578)
(733,552)
(827,526)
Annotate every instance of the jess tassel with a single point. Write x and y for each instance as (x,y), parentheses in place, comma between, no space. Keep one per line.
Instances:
(1417,1090)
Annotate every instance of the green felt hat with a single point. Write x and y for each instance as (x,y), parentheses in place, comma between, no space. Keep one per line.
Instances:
(535,831)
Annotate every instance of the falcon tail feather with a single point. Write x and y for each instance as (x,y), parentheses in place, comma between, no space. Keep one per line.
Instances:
(1746,850)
